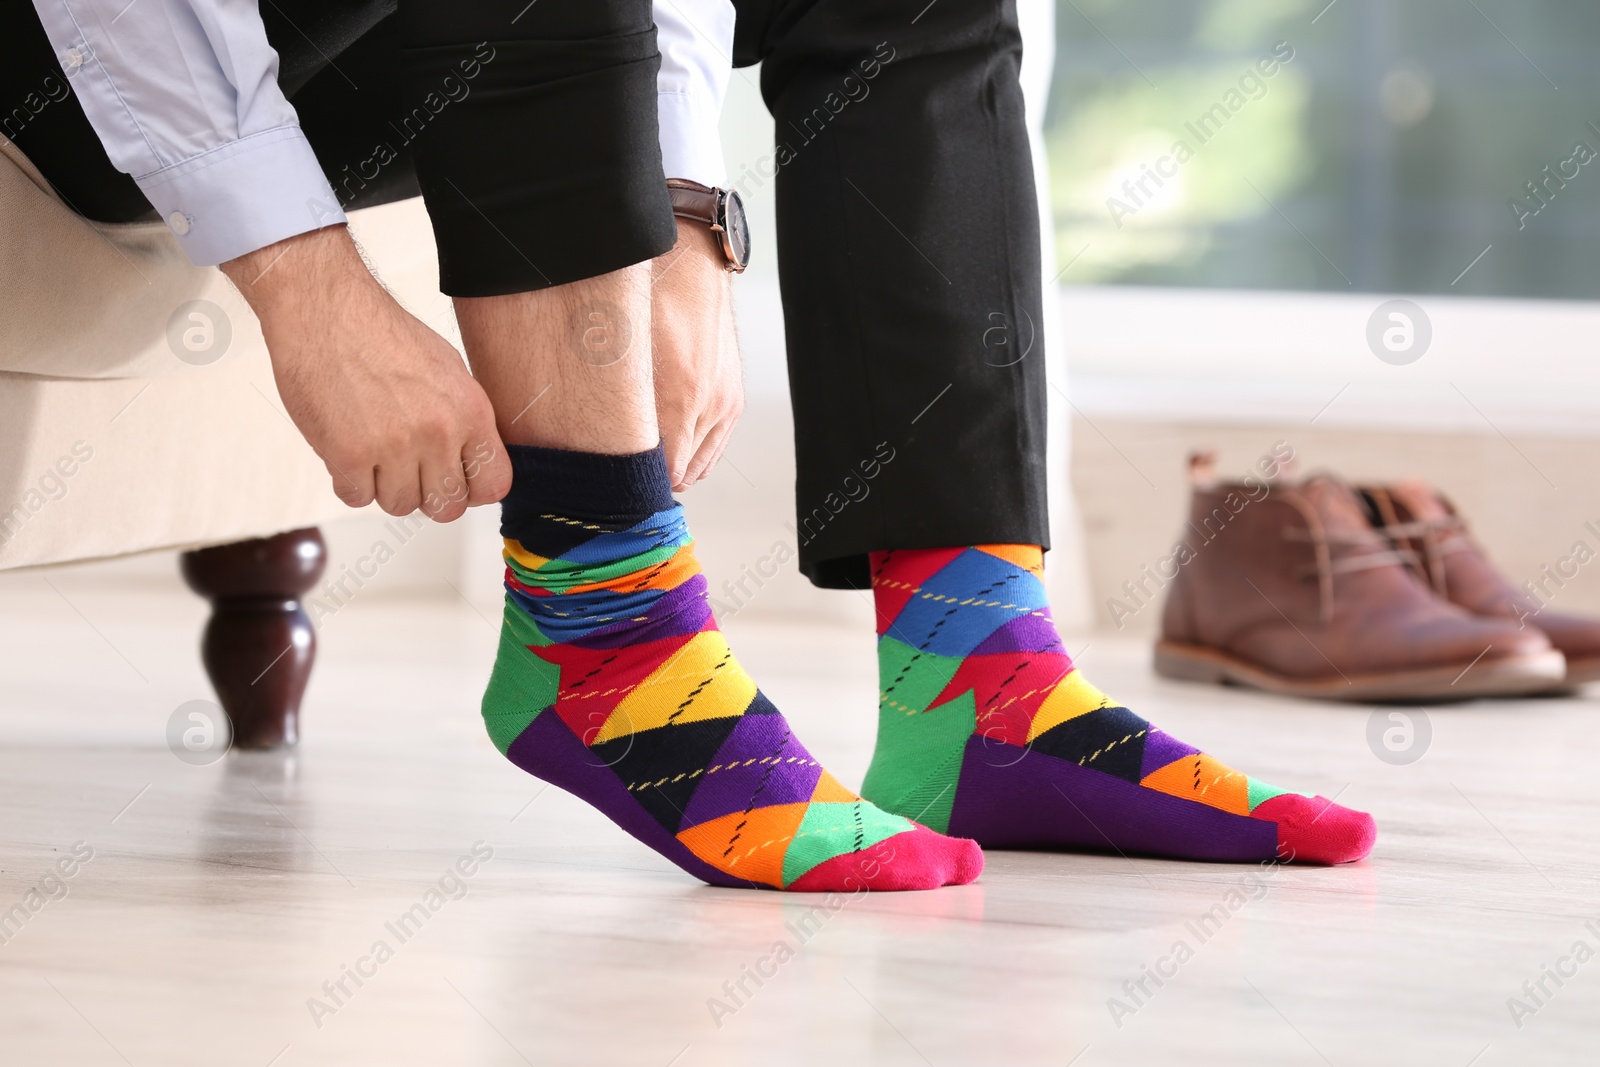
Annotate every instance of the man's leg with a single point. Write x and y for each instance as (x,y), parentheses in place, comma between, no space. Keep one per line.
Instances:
(612,679)
(909,250)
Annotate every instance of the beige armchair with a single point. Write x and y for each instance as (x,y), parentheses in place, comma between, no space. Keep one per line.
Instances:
(138,412)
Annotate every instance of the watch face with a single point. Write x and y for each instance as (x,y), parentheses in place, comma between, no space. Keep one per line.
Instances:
(736,231)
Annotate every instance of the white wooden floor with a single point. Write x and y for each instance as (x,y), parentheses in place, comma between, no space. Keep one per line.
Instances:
(220,899)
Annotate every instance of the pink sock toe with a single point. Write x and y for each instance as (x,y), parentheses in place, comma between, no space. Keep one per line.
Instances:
(915,859)
(1316,830)
(969,862)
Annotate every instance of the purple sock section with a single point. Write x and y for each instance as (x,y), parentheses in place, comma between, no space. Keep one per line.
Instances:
(747,782)
(1030,633)
(547,750)
(1160,749)
(677,612)
(1009,797)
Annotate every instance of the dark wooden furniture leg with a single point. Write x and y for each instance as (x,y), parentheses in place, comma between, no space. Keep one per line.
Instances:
(259,644)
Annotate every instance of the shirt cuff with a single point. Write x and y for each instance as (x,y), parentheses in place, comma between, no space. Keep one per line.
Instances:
(244,195)
(691,146)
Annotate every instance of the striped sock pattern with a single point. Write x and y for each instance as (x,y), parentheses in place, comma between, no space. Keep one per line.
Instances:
(989,730)
(614,682)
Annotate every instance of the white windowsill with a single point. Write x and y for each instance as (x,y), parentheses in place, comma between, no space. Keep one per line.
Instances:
(1229,356)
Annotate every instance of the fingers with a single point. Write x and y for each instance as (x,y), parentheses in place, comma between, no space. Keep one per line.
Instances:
(442,485)
(695,431)
(483,455)
(464,463)
(399,488)
(710,450)
(722,447)
(444,488)
(678,419)
(443,481)
(714,441)
(680,441)
(676,409)
(488,470)
(354,484)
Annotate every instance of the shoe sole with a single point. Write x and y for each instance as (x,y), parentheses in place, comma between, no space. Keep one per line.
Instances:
(1513,676)
(1583,670)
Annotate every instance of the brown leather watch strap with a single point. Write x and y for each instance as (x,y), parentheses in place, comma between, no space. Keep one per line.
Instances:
(691,200)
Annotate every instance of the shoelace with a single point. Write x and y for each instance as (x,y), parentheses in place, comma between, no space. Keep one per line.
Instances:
(1325,564)
(1439,538)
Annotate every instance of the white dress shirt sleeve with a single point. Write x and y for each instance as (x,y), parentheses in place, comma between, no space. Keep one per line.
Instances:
(695,38)
(184,96)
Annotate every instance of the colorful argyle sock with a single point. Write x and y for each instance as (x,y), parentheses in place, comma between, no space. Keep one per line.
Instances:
(614,683)
(987,728)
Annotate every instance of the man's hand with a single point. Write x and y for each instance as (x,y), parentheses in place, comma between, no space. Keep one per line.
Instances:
(386,402)
(699,384)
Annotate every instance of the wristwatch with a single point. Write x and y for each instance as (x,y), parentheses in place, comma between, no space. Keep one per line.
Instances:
(720,209)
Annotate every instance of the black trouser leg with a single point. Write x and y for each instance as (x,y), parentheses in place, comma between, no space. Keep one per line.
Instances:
(908,251)
(549,170)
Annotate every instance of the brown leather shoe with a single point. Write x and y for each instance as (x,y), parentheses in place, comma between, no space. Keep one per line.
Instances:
(1419,520)
(1289,588)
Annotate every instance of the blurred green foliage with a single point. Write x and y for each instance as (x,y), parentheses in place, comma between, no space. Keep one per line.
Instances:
(1384,156)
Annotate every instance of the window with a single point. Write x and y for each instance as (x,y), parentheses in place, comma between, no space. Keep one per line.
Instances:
(1366,146)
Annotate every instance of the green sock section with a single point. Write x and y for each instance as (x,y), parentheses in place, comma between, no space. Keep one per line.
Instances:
(918,756)
(522,685)
(825,825)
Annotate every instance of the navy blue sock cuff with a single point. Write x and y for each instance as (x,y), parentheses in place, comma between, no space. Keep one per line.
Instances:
(608,490)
